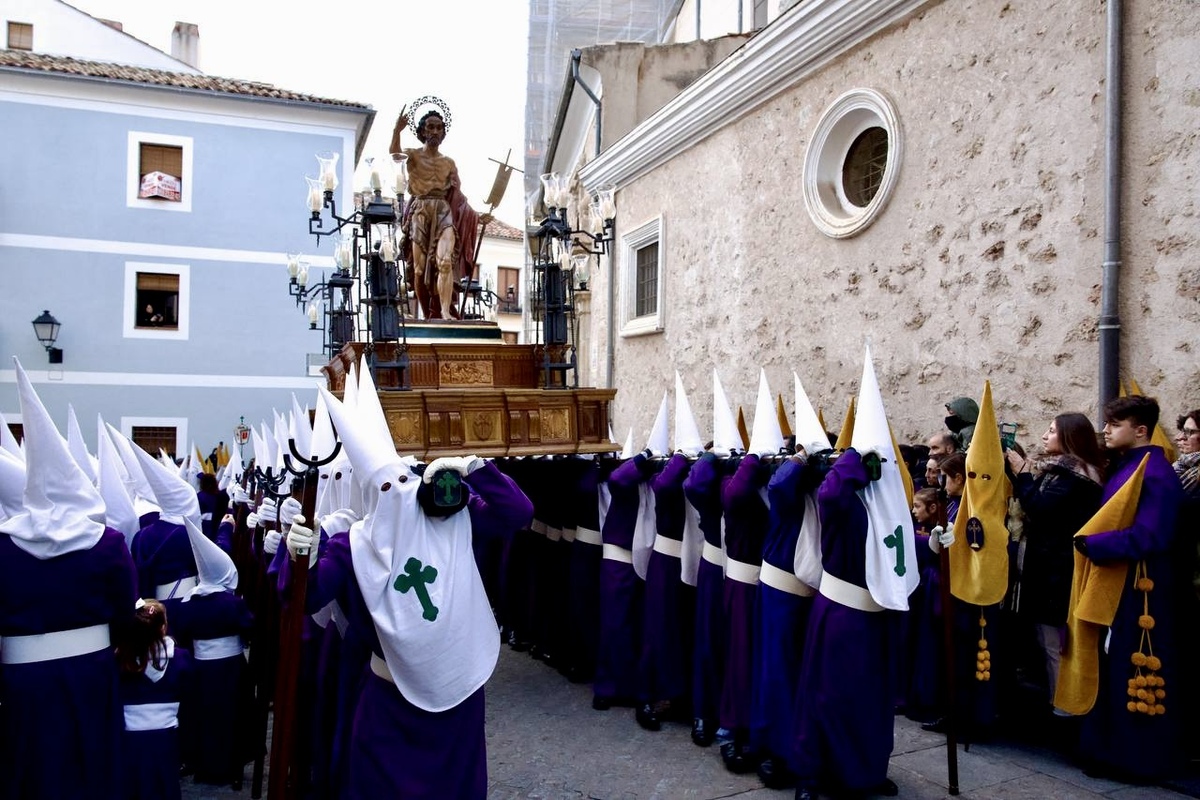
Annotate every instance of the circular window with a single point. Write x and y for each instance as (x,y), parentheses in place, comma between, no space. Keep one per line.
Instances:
(852,163)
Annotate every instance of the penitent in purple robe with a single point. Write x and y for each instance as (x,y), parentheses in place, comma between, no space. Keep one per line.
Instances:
(152,757)
(621,590)
(782,618)
(670,604)
(583,583)
(745,529)
(1138,745)
(845,712)
(395,748)
(163,556)
(40,754)
(216,741)
(702,488)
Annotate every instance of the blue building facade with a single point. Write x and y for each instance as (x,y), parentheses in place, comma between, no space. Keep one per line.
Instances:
(171,295)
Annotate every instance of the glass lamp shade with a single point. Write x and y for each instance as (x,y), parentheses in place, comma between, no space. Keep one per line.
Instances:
(608,205)
(45,328)
(595,220)
(313,312)
(302,275)
(399,173)
(579,264)
(554,187)
(329,178)
(315,200)
(293,264)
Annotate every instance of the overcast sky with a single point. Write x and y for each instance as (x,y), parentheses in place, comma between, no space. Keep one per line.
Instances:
(471,53)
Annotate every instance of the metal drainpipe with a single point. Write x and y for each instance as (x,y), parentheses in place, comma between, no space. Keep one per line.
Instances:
(612,284)
(1110,321)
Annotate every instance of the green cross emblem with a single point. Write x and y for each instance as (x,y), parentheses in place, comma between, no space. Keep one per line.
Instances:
(450,485)
(415,577)
(896,541)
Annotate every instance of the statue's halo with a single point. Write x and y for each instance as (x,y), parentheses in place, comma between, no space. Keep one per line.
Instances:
(418,108)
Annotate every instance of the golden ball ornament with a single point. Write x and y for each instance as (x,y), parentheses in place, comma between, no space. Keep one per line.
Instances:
(1138,659)
(1146,622)
(1132,706)
(1142,707)
(1154,663)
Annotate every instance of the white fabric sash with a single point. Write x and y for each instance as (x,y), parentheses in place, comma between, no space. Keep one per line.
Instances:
(741,572)
(53,645)
(419,581)
(216,649)
(588,536)
(617,553)
(713,555)
(537,526)
(603,501)
(693,545)
(151,716)
(322,616)
(807,564)
(568,534)
(783,580)
(553,533)
(644,530)
(179,588)
(847,594)
(668,546)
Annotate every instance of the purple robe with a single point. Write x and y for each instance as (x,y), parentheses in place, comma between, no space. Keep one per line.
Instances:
(702,488)
(583,583)
(670,604)
(1136,744)
(395,748)
(151,758)
(40,755)
(845,714)
(745,528)
(620,589)
(781,619)
(163,555)
(216,744)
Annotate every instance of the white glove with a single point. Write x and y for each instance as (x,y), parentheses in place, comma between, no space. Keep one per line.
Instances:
(268,511)
(288,510)
(271,542)
(252,520)
(239,494)
(940,537)
(302,541)
(463,465)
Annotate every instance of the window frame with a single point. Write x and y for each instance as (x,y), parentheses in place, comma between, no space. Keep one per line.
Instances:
(8,35)
(650,232)
(130,329)
(180,424)
(133,177)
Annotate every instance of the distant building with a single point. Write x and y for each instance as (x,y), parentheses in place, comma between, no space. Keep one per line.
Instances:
(928,175)
(170,290)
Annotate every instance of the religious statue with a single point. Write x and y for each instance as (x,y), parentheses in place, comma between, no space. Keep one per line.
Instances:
(438,224)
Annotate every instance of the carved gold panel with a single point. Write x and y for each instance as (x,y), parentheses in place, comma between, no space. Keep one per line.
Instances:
(465,373)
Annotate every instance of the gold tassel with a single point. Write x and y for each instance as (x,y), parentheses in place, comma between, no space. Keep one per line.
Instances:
(983,659)
(1146,687)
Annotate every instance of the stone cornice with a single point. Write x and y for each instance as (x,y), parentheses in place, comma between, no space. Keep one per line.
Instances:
(795,45)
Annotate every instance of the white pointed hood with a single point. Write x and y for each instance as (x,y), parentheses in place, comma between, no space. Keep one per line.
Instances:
(726,438)
(659,443)
(136,485)
(372,457)
(62,512)
(233,469)
(809,433)
(119,512)
(174,495)
(687,433)
(627,451)
(766,438)
(891,556)
(9,442)
(302,431)
(12,484)
(215,571)
(79,452)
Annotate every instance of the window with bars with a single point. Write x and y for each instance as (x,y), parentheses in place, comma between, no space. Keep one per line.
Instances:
(866,161)
(646,281)
(157,300)
(20,36)
(152,437)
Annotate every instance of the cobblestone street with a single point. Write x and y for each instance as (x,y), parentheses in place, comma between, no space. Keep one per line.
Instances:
(545,741)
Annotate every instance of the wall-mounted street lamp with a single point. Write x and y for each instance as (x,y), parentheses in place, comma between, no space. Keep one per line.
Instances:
(45,328)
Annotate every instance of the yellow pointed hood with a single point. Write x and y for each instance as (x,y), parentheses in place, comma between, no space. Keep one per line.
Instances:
(847,432)
(781,414)
(1095,594)
(979,557)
